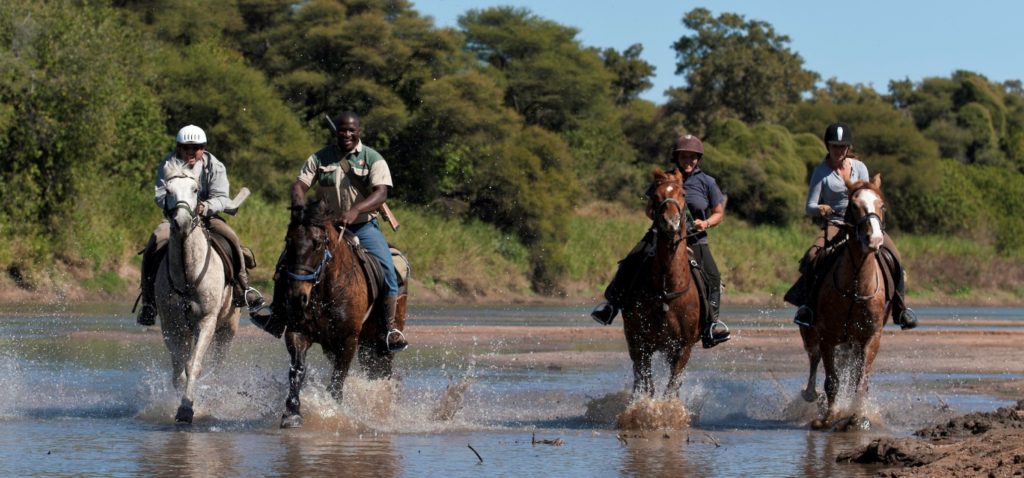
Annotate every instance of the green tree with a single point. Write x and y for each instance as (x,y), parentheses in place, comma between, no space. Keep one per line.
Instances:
(762,169)
(632,74)
(77,114)
(735,68)
(249,128)
(550,79)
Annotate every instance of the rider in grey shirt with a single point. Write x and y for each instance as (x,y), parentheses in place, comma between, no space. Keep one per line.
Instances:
(827,199)
(828,187)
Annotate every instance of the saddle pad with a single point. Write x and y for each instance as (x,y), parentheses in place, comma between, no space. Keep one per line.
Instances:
(402,266)
(226,253)
(372,267)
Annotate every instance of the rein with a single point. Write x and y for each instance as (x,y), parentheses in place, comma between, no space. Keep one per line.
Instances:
(190,287)
(678,237)
(196,222)
(861,237)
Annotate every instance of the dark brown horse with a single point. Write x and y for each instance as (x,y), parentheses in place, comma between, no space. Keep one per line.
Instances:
(851,310)
(667,317)
(329,303)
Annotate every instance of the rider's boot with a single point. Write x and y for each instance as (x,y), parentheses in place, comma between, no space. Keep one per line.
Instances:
(715,332)
(604,313)
(394,338)
(147,315)
(797,294)
(800,295)
(901,314)
(271,318)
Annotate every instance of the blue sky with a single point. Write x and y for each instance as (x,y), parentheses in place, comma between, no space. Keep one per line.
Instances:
(855,41)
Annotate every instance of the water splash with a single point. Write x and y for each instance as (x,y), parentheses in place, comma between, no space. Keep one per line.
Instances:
(648,414)
(604,410)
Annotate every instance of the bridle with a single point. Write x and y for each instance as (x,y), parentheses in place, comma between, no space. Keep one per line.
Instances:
(169,211)
(851,222)
(195,222)
(678,236)
(307,274)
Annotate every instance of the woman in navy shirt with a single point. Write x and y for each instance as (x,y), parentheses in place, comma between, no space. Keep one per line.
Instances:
(705,204)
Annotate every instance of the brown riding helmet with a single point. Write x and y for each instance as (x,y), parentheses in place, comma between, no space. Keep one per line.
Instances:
(689,142)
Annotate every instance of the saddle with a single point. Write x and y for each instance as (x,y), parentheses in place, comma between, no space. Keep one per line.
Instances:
(635,266)
(374,271)
(828,256)
(232,263)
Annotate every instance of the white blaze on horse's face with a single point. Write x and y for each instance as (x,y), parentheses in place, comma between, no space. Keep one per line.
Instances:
(181,200)
(670,213)
(871,204)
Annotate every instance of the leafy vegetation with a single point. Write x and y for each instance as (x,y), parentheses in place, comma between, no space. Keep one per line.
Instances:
(519,153)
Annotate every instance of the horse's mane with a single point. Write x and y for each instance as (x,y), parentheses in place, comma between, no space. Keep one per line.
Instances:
(660,176)
(316,213)
(857,186)
(174,169)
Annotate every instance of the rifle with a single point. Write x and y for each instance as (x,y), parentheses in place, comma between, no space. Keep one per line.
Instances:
(384,210)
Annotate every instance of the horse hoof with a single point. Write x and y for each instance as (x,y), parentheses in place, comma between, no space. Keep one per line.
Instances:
(809,395)
(291,421)
(184,415)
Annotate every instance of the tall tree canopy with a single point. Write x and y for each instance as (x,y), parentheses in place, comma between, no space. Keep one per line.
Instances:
(737,68)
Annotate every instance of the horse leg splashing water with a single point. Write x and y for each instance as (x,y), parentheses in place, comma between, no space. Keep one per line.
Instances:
(668,319)
(328,303)
(850,312)
(193,296)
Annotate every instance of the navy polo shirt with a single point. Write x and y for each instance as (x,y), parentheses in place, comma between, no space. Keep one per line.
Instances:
(702,194)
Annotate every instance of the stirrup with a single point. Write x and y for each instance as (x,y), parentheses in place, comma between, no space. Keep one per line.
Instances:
(256,304)
(804,316)
(401,336)
(712,338)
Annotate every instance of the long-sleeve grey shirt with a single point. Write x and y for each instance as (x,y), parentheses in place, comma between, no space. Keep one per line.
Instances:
(213,182)
(828,187)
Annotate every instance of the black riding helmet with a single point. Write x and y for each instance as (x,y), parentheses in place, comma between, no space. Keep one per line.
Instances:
(838,133)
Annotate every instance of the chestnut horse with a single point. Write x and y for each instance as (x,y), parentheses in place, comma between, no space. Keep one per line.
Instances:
(667,320)
(851,308)
(330,303)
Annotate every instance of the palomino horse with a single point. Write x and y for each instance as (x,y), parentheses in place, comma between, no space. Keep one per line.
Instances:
(329,302)
(669,319)
(193,298)
(851,310)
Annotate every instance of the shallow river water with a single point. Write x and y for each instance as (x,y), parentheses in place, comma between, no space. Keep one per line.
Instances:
(85,392)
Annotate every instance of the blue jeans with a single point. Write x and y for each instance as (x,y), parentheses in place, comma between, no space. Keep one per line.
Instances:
(373,240)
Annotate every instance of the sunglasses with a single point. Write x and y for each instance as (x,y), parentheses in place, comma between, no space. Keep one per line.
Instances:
(192,147)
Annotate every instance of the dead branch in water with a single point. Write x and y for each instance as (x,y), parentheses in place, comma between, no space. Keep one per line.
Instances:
(622,440)
(555,442)
(475,453)
(713,440)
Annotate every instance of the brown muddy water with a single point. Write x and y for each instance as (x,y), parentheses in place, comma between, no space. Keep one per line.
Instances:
(85,392)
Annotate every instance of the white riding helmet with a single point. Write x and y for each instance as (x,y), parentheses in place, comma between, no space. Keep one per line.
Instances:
(191,134)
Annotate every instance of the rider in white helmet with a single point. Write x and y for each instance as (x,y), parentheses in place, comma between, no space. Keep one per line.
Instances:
(190,151)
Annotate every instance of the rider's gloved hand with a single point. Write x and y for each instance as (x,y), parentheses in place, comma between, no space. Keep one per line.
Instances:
(824,210)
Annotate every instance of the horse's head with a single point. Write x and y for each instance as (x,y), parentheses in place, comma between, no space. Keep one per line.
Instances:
(866,212)
(182,197)
(666,202)
(308,247)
